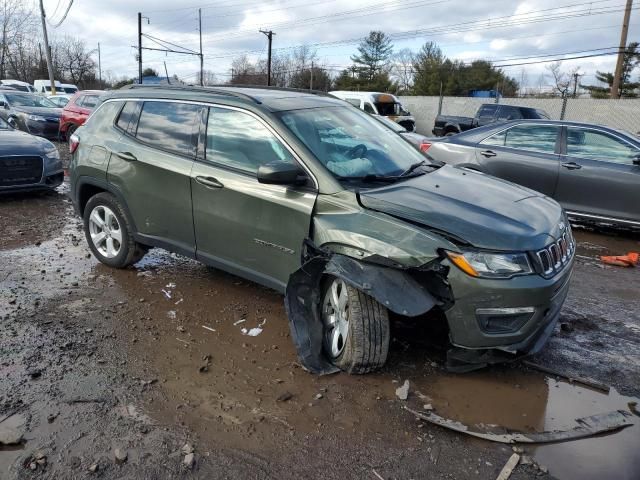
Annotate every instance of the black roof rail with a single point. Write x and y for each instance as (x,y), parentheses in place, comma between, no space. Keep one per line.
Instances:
(193,88)
(283,89)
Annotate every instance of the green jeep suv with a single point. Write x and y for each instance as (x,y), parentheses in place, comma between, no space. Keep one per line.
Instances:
(310,196)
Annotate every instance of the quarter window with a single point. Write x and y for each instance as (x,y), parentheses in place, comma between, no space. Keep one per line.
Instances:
(597,145)
(169,126)
(127,115)
(368,108)
(535,138)
(236,139)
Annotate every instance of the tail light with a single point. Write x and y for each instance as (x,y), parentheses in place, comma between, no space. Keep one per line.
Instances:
(74,143)
(424,146)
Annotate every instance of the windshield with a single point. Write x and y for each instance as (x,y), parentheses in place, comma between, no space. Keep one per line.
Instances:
(386,108)
(70,90)
(29,100)
(351,143)
(22,88)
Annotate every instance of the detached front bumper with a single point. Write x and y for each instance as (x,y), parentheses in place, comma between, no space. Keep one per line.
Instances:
(494,321)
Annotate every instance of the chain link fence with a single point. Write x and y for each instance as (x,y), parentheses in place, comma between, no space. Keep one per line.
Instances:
(617,113)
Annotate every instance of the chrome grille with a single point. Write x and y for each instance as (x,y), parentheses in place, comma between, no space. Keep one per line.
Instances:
(553,258)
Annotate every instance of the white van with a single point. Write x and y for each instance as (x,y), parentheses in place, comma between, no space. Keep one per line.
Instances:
(69,88)
(18,85)
(44,86)
(383,104)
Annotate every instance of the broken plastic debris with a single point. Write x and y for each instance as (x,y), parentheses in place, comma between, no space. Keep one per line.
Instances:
(179,301)
(255,331)
(208,328)
(587,427)
(166,293)
(171,285)
(171,314)
(242,320)
(629,260)
(403,391)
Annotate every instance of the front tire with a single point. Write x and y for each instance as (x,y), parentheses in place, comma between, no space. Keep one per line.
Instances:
(356,328)
(108,232)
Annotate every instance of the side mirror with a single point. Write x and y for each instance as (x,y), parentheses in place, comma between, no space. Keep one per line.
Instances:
(636,160)
(281,173)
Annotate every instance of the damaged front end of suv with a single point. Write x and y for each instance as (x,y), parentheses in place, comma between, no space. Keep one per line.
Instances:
(496,260)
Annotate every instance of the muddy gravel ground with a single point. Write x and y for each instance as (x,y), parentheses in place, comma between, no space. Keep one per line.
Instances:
(151,373)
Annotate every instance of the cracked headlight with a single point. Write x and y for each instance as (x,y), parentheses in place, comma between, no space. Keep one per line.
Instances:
(491,265)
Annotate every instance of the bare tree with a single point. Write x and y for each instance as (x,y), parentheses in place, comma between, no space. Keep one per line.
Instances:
(15,16)
(562,80)
(73,61)
(402,69)
(209,78)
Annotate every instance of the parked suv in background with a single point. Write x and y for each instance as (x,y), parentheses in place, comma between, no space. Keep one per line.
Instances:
(77,110)
(320,201)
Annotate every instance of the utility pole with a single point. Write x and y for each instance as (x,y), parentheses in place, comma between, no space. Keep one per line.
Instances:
(575,84)
(311,82)
(47,49)
(99,67)
(140,48)
(617,77)
(269,35)
(201,57)
(166,73)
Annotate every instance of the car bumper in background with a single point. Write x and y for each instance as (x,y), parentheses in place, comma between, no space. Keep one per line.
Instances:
(20,173)
(47,129)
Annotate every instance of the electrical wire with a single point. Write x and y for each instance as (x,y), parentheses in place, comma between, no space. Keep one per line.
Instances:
(64,17)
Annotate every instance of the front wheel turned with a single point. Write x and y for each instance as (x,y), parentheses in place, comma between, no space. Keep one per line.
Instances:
(356,328)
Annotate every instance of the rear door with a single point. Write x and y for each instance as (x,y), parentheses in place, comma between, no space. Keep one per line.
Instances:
(151,164)
(251,229)
(598,175)
(527,154)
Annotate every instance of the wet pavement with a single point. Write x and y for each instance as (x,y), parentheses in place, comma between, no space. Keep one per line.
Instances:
(170,352)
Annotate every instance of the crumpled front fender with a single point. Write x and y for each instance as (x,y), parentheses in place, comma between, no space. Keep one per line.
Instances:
(394,288)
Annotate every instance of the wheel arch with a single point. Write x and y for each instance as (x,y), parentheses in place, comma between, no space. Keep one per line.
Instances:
(87,187)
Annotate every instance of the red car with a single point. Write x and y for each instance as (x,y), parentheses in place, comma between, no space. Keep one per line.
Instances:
(76,112)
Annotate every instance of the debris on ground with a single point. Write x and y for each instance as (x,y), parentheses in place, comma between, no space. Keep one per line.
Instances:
(587,427)
(629,260)
(120,455)
(633,406)
(285,397)
(507,470)
(403,392)
(589,382)
(10,436)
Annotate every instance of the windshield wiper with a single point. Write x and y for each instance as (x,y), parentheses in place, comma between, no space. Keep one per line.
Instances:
(413,167)
(371,178)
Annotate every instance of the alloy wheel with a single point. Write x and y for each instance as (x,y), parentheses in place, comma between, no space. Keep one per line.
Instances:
(105,231)
(335,317)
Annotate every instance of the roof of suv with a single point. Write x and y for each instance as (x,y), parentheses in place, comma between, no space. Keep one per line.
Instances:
(270,98)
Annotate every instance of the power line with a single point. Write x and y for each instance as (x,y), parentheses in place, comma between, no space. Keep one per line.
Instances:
(64,17)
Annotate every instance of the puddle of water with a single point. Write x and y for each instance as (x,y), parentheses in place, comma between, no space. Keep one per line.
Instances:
(530,402)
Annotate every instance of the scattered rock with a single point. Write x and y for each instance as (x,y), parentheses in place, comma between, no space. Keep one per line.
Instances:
(34,373)
(285,397)
(189,460)
(187,448)
(403,392)
(517,449)
(318,396)
(526,460)
(120,455)
(566,327)
(427,406)
(10,436)
(51,417)
(93,468)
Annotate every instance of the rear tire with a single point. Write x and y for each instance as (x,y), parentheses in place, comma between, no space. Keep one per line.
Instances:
(356,328)
(450,134)
(109,233)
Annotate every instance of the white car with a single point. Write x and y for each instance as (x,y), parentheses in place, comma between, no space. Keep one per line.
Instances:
(18,85)
(376,103)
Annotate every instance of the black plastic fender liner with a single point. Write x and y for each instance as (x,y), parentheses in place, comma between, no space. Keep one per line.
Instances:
(393,288)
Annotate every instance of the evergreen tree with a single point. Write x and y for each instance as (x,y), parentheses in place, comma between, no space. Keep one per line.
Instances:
(631,60)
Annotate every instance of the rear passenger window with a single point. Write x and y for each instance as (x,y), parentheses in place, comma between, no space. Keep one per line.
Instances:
(126,115)
(169,126)
(509,113)
(90,101)
(487,110)
(238,140)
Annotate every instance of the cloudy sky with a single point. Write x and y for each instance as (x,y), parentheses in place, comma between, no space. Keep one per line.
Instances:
(507,31)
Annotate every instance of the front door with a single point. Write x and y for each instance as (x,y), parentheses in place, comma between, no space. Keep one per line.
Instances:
(248,228)
(151,164)
(598,175)
(527,154)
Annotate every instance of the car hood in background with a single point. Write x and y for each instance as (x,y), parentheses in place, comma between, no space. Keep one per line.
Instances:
(42,111)
(16,142)
(482,211)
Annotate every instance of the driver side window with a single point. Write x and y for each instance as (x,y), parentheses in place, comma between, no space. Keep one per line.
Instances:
(240,141)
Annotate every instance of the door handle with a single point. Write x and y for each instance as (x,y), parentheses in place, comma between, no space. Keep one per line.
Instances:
(488,153)
(571,166)
(128,156)
(209,182)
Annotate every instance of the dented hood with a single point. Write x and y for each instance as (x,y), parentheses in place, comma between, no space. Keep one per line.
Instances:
(481,210)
